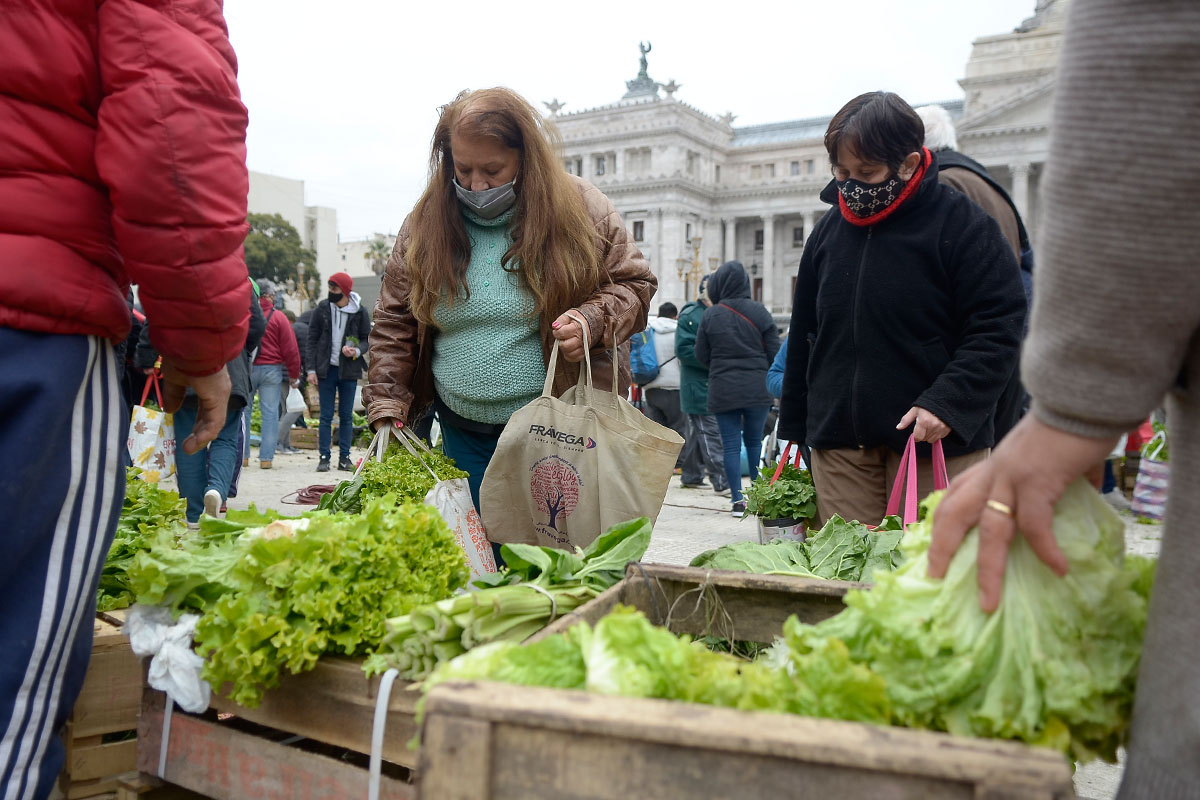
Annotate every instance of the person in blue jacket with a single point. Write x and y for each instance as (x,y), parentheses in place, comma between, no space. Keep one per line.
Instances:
(775,373)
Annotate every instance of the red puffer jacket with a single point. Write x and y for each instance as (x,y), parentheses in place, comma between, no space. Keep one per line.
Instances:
(123,158)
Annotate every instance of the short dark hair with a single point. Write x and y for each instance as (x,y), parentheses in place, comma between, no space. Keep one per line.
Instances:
(668,310)
(290,315)
(879,126)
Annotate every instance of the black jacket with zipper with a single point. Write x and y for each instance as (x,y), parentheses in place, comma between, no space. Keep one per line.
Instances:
(320,342)
(924,309)
(737,340)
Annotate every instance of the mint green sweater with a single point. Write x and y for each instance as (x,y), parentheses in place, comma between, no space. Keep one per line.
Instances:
(487,352)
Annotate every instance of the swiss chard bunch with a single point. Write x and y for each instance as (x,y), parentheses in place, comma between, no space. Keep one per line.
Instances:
(147,511)
(539,585)
(791,497)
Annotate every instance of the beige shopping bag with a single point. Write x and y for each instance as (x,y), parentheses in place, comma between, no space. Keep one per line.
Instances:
(566,469)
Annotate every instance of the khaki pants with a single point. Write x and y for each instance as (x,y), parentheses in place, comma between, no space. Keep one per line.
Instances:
(855,484)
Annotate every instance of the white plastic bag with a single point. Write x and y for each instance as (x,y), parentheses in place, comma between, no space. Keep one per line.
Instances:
(174,666)
(295,401)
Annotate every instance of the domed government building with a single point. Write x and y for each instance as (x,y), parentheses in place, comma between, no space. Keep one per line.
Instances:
(695,189)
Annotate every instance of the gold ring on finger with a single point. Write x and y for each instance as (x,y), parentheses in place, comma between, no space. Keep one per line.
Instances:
(1003,508)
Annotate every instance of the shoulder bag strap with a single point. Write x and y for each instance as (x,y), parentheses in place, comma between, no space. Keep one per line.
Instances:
(749,322)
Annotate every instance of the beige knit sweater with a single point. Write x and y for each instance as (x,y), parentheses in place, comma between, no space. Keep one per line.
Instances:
(1116,315)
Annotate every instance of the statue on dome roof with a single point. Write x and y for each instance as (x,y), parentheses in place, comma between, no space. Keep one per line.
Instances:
(643,85)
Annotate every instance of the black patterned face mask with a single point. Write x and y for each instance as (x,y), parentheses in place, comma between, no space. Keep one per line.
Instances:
(866,199)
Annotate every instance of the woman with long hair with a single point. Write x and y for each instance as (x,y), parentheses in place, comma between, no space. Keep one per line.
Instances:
(501,253)
(906,319)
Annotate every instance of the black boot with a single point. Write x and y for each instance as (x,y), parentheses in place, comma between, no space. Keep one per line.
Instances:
(345,464)
(323,466)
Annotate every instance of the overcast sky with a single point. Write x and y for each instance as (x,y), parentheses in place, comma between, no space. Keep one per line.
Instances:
(343,95)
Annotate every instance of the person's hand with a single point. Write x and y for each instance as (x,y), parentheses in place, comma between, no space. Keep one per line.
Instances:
(928,427)
(569,333)
(349,352)
(295,384)
(147,370)
(1016,488)
(311,378)
(384,422)
(212,394)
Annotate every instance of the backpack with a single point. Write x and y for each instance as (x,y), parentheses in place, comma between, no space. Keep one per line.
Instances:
(643,357)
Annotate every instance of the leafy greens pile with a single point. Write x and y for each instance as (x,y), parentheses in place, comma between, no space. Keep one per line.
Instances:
(1055,665)
(539,584)
(793,496)
(625,655)
(147,511)
(400,473)
(277,593)
(843,551)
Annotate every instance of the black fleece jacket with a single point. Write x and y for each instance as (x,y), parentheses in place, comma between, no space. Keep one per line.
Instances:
(737,340)
(923,309)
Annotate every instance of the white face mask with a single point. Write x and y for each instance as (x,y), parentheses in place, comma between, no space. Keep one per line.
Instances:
(489,203)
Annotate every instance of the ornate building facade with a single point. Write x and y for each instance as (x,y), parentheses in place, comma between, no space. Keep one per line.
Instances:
(696,190)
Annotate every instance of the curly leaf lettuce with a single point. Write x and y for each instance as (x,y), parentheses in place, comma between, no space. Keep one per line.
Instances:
(1055,665)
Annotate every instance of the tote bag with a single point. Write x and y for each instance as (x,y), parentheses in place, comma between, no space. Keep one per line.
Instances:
(566,469)
(151,440)
(1153,478)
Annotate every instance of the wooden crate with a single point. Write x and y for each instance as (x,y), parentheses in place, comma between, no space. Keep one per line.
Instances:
(228,758)
(488,741)
(304,438)
(100,731)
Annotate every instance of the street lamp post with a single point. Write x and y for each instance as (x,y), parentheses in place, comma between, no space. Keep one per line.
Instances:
(690,269)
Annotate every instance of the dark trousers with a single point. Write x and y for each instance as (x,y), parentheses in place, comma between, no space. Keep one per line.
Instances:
(702,452)
(62,443)
(210,468)
(662,406)
(743,425)
(471,452)
(328,387)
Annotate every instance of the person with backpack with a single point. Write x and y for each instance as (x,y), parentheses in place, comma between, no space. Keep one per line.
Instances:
(737,341)
(973,179)
(702,452)
(656,369)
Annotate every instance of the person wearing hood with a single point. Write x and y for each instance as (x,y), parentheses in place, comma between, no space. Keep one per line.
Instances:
(662,393)
(504,256)
(737,340)
(337,338)
(910,308)
(702,452)
(276,365)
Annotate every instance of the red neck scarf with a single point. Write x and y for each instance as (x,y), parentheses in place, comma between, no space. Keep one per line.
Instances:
(910,188)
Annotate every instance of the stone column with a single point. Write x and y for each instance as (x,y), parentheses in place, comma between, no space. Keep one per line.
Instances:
(1020,187)
(730,240)
(768,266)
(659,267)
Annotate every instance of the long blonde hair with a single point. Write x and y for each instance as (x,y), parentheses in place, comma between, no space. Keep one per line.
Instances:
(554,247)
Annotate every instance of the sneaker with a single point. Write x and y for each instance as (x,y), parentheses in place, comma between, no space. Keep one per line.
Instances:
(245,462)
(323,464)
(264,465)
(345,464)
(193,526)
(699,485)
(212,502)
(722,492)
(287,451)
(739,509)
(1117,500)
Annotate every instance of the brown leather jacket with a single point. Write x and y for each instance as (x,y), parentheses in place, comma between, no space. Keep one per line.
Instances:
(401,373)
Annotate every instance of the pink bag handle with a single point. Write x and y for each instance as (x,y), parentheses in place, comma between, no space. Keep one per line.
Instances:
(906,476)
(783,459)
(153,379)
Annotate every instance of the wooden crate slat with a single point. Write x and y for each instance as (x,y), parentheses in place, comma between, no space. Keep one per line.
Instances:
(676,750)
(112,687)
(335,703)
(226,764)
(101,760)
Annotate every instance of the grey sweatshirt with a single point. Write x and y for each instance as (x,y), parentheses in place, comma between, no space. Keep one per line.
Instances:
(1116,316)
